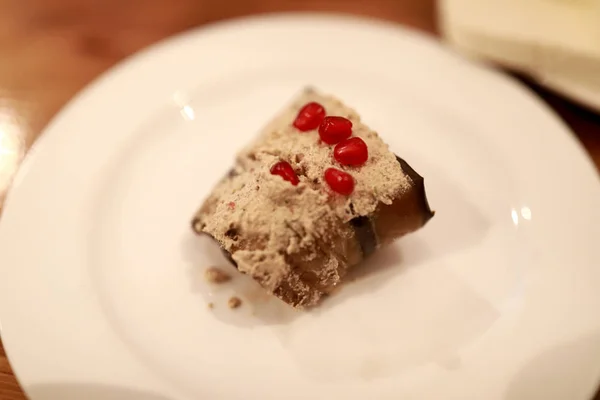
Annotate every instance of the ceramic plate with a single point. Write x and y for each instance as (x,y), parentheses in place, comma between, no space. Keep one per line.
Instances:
(101,289)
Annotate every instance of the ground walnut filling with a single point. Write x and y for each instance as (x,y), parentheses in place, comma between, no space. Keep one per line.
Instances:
(284,217)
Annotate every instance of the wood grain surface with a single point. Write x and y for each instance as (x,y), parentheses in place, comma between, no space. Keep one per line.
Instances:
(50,49)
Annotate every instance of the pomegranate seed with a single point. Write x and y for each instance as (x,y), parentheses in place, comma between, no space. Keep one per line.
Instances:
(310,117)
(231,205)
(335,129)
(285,170)
(351,151)
(339,181)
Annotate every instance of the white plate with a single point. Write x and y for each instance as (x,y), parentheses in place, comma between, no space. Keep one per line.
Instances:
(497,298)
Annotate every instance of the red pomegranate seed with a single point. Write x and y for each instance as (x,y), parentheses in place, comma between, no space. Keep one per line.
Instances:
(309,117)
(285,170)
(351,151)
(339,181)
(335,129)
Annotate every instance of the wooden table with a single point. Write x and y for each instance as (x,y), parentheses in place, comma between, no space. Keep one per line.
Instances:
(50,49)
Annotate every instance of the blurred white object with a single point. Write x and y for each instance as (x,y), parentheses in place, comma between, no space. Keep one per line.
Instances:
(555,41)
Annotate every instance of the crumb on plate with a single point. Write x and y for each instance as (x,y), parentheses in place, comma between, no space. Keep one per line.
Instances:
(234,302)
(216,275)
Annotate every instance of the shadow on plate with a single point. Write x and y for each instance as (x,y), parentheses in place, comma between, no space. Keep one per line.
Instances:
(89,392)
(559,373)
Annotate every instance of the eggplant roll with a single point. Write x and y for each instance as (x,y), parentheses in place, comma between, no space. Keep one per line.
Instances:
(316,193)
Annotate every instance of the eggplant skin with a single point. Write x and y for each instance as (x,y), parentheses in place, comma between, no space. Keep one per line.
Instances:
(365,234)
(419,182)
(366,227)
(199,232)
